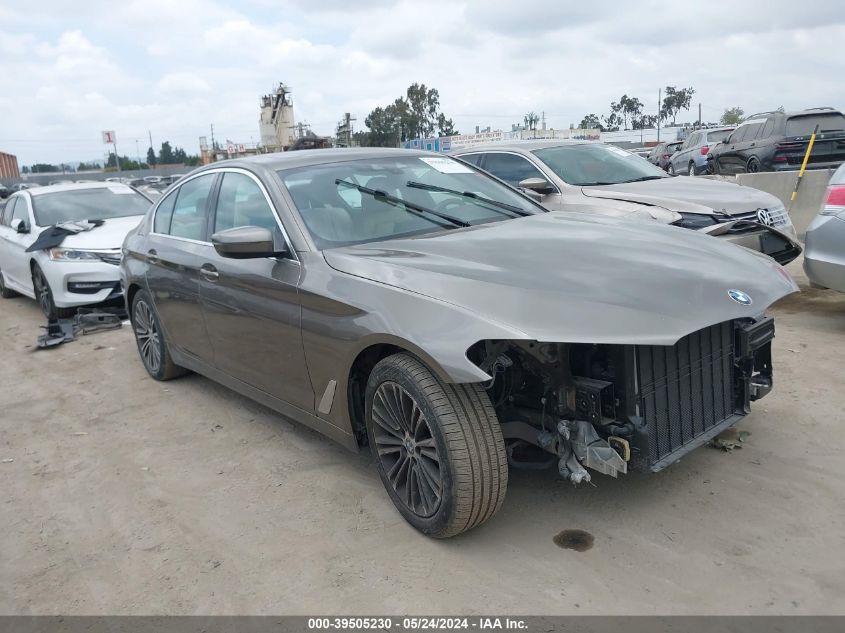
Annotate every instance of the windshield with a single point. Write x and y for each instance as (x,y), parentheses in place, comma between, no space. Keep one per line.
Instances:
(597,164)
(804,125)
(101,203)
(362,201)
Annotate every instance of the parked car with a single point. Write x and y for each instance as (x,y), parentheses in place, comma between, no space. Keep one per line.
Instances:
(407,301)
(82,268)
(777,141)
(599,178)
(23,186)
(661,153)
(824,254)
(691,157)
(4,191)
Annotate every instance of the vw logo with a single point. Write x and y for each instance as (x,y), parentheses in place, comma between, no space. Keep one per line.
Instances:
(764,216)
(740,297)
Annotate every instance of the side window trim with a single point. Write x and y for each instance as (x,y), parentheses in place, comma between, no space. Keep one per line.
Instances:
(175,195)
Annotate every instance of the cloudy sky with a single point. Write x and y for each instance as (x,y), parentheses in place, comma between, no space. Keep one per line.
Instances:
(70,70)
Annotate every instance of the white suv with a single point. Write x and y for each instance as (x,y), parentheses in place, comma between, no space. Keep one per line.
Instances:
(79,265)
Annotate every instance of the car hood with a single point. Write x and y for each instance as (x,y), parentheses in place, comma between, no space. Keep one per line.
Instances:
(109,235)
(688,195)
(570,278)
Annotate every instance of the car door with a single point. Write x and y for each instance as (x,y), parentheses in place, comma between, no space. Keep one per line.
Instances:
(728,162)
(6,233)
(179,234)
(746,147)
(251,307)
(681,158)
(16,261)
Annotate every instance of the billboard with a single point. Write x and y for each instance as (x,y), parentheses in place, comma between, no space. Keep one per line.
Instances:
(109,136)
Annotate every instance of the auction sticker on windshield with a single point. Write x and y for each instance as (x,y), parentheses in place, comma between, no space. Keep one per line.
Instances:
(446,165)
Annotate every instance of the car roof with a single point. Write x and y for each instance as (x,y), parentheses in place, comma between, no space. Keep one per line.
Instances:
(74,186)
(309,157)
(524,146)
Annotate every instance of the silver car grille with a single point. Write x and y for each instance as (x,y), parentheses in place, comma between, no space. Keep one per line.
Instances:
(773,216)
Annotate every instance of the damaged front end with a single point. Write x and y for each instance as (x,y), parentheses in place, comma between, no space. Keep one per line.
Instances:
(611,408)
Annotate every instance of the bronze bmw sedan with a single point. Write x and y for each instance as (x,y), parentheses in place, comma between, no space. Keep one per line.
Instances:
(408,302)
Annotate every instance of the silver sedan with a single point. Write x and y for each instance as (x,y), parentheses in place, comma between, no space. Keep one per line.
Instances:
(824,255)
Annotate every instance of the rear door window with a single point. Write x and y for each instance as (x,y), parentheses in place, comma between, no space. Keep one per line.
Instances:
(7,212)
(164,213)
(189,213)
(473,159)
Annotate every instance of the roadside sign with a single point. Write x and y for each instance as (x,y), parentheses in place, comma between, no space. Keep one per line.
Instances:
(230,148)
(109,137)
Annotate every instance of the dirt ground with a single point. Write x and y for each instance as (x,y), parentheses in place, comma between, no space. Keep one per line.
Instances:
(128,496)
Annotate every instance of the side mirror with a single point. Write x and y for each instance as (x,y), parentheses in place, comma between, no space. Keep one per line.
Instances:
(246,242)
(540,185)
(19,226)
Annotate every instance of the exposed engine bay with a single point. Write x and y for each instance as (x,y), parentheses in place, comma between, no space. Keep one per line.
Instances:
(609,408)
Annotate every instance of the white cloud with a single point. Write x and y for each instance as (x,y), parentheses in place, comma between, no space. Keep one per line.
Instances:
(176,67)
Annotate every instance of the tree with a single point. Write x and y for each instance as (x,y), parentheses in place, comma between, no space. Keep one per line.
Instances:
(645,122)
(43,168)
(383,124)
(151,157)
(612,121)
(179,155)
(165,155)
(675,101)
(591,122)
(732,116)
(24,169)
(416,115)
(531,120)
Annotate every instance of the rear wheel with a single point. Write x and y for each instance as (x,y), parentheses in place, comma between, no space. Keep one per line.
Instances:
(691,169)
(438,447)
(670,169)
(44,296)
(753,165)
(151,344)
(5,292)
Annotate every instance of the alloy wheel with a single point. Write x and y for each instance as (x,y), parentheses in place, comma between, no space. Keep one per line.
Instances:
(691,170)
(147,334)
(406,449)
(42,292)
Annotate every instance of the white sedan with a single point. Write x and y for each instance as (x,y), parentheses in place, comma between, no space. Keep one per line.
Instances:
(83,226)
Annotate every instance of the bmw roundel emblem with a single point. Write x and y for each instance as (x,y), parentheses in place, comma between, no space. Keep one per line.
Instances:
(740,297)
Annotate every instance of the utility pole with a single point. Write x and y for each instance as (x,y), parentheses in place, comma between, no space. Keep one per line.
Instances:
(138,152)
(659,99)
(699,115)
(213,146)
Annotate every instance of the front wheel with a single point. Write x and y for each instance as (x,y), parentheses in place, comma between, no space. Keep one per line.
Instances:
(670,169)
(438,447)
(691,169)
(44,296)
(150,339)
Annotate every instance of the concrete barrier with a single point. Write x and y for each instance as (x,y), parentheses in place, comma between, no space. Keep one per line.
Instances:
(781,184)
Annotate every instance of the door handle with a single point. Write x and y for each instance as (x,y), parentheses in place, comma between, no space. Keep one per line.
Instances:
(209,272)
(152,256)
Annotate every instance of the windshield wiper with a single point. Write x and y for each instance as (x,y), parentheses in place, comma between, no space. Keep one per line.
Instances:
(409,206)
(643,179)
(467,194)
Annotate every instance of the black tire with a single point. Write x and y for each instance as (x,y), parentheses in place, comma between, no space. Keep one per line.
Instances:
(451,429)
(691,169)
(150,339)
(670,169)
(5,292)
(752,166)
(44,296)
